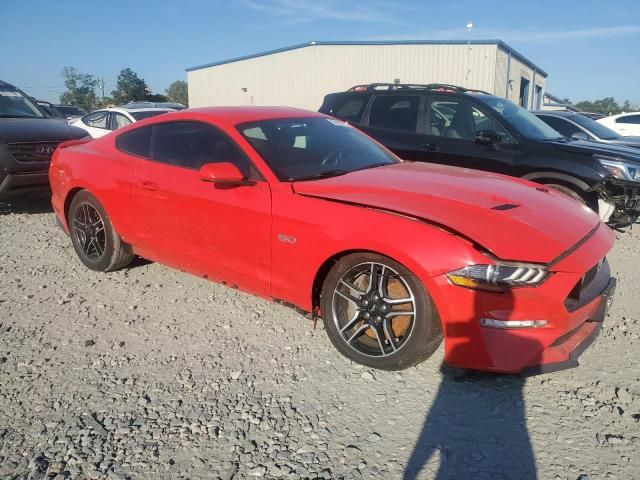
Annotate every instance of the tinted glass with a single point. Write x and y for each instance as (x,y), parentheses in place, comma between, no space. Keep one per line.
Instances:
(70,110)
(14,104)
(192,144)
(97,119)
(633,119)
(306,148)
(120,120)
(525,122)
(142,115)
(395,112)
(560,125)
(349,108)
(482,121)
(136,142)
(596,128)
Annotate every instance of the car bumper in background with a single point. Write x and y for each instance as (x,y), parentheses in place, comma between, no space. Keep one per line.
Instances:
(15,183)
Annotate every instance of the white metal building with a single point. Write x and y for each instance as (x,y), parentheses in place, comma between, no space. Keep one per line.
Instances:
(301,75)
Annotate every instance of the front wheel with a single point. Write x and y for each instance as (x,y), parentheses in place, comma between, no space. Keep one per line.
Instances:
(377,313)
(94,239)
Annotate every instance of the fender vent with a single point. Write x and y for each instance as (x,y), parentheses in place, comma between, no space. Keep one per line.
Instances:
(505,206)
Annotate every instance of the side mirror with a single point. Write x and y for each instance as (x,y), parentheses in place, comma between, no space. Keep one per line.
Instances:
(224,174)
(487,137)
(580,136)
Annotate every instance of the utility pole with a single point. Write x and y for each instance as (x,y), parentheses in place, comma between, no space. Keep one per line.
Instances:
(468,75)
(102,90)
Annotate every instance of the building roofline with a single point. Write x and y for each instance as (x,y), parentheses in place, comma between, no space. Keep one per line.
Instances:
(499,43)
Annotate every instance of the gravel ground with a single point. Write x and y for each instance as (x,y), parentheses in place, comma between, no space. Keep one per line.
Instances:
(152,373)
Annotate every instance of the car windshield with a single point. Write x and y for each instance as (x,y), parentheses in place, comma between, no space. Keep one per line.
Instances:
(14,104)
(312,148)
(142,115)
(596,128)
(525,122)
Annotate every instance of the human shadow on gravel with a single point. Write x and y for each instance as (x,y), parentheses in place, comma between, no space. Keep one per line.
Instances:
(476,426)
(36,203)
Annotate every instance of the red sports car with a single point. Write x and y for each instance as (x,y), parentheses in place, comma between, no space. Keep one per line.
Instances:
(301,208)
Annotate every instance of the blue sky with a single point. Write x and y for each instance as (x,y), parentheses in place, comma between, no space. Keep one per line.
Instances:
(591,49)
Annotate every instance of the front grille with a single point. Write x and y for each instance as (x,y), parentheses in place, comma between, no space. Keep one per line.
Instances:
(32,152)
(592,283)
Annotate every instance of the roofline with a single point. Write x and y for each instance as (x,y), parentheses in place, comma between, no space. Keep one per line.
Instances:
(497,42)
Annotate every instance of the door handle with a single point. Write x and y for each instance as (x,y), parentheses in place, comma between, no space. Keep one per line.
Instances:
(431,147)
(152,187)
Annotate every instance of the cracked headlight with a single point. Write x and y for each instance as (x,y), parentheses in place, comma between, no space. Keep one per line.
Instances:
(498,277)
(619,168)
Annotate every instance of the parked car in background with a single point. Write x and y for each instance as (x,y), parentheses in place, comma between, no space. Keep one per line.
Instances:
(577,126)
(591,115)
(27,140)
(466,128)
(393,255)
(172,105)
(49,109)
(70,112)
(625,123)
(103,121)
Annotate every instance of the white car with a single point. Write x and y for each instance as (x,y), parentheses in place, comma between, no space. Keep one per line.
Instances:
(625,124)
(103,121)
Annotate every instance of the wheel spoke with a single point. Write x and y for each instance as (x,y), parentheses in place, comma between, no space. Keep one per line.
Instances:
(99,249)
(347,297)
(399,313)
(389,333)
(352,321)
(398,301)
(361,329)
(351,286)
(86,244)
(380,336)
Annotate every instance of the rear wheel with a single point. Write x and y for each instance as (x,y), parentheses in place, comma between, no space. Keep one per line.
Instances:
(377,313)
(94,239)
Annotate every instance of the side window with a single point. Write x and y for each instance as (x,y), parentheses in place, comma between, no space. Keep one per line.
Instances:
(136,142)
(350,108)
(633,119)
(482,121)
(119,121)
(560,125)
(192,145)
(97,119)
(395,112)
(451,117)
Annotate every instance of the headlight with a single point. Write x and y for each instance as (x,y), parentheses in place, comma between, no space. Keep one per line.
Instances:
(620,169)
(498,277)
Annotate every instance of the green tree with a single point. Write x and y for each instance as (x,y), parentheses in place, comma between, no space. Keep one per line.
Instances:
(178,92)
(606,106)
(80,89)
(156,97)
(129,88)
(627,106)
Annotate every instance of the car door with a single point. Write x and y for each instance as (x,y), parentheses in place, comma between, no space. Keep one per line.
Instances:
(201,227)
(450,127)
(628,125)
(96,123)
(392,119)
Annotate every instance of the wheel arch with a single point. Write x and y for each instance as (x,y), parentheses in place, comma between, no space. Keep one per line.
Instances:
(559,178)
(67,202)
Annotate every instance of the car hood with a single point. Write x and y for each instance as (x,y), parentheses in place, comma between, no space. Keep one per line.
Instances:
(513,219)
(37,130)
(627,142)
(587,147)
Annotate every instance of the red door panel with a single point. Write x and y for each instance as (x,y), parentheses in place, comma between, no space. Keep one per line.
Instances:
(220,233)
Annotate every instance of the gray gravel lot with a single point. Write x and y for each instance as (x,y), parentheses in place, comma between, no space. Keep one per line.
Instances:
(152,373)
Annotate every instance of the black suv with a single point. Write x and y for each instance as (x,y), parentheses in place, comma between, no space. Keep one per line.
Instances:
(27,140)
(469,128)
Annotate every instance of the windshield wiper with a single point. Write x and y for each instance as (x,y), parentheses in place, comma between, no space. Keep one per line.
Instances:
(317,176)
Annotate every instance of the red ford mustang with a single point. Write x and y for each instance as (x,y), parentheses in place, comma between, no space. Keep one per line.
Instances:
(304,209)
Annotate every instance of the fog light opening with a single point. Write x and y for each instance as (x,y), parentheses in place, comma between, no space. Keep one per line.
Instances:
(493,323)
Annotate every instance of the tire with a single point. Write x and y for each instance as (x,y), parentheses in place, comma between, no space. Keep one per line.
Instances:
(567,191)
(94,239)
(369,328)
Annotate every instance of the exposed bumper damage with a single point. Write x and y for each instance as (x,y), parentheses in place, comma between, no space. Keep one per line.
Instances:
(619,201)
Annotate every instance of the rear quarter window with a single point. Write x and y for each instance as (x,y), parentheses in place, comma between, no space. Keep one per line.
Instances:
(136,142)
(349,108)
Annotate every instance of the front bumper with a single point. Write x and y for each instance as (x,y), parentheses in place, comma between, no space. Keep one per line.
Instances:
(15,183)
(624,199)
(573,301)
